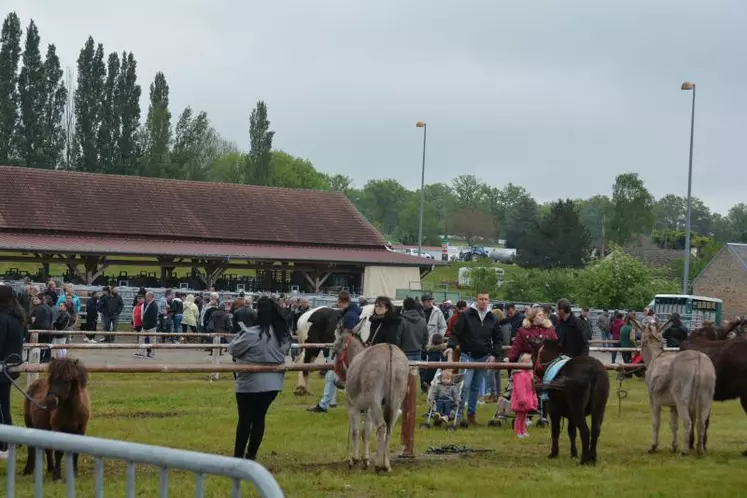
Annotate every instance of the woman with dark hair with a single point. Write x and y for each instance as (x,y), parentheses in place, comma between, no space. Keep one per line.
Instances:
(12,330)
(386,326)
(265,343)
(675,334)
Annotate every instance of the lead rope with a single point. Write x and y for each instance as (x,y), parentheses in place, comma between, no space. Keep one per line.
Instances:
(5,365)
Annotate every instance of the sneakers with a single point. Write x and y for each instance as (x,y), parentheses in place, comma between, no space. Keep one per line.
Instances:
(139,354)
(522,436)
(316,409)
(4,455)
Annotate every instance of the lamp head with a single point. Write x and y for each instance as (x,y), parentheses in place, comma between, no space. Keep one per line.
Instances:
(420,124)
(687,85)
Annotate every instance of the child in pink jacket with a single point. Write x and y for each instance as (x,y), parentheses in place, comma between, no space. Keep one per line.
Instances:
(523,397)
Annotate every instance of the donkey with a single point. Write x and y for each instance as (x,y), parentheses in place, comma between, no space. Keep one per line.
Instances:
(58,403)
(375,381)
(684,381)
(576,387)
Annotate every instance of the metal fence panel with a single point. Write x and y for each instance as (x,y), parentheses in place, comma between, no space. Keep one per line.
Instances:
(200,464)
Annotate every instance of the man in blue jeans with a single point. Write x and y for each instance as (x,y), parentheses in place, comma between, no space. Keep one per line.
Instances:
(351,314)
(477,333)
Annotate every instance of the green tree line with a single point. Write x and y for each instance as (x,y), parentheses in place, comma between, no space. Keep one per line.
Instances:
(93,122)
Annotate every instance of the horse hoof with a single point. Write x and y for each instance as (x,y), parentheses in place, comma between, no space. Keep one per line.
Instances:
(366,464)
(57,477)
(574,454)
(744,453)
(683,453)
(301,391)
(653,450)
(380,468)
(27,471)
(552,455)
(588,461)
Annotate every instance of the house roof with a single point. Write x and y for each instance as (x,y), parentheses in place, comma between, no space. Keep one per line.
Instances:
(86,203)
(86,213)
(738,251)
(646,250)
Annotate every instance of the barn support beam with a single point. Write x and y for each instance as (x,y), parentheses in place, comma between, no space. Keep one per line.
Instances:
(211,271)
(95,266)
(317,280)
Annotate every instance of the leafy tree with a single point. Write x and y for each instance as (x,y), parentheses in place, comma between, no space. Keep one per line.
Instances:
(338,182)
(698,263)
(633,208)
(294,172)
(407,227)
(229,167)
(669,212)
(542,286)
(722,229)
(195,146)
(472,224)
(521,220)
(620,281)
(157,133)
(108,133)
(89,96)
(595,214)
(502,202)
(260,137)
(55,96)
(440,202)
(738,220)
(560,240)
(10,53)
(469,191)
(127,99)
(483,278)
(382,201)
(31,97)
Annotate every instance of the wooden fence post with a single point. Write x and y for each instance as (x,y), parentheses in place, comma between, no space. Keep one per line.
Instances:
(409,415)
(34,357)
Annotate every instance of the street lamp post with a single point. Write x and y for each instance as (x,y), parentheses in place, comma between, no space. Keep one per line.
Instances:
(686,278)
(421,124)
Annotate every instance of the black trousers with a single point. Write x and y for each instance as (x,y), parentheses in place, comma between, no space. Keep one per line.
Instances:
(5,417)
(251,426)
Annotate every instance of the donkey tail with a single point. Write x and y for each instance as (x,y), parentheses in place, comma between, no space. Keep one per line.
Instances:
(390,410)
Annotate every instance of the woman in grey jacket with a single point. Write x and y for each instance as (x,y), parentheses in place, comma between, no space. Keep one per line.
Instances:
(266,343)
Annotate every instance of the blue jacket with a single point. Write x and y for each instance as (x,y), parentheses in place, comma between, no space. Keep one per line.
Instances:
(351,316)
(76,301)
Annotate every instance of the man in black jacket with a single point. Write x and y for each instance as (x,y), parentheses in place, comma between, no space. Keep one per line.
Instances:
(571,332)
(478,334)
(513,318)
(150,324)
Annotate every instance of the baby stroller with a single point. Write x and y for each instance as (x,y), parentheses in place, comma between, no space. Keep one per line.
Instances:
(433,415)
(503,413)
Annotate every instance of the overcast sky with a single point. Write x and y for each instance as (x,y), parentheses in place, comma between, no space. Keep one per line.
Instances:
(556,96)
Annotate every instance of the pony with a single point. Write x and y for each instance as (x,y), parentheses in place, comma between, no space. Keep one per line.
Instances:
(58,403)
(317,325)
(730,362)
(375,380)
(575,387)
(684,381)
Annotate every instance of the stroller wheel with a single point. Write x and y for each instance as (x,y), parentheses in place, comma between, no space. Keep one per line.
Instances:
(493,423)
(499,423)
(542,423)
(464,424)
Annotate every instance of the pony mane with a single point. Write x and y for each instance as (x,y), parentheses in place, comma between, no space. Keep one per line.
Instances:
(68,370)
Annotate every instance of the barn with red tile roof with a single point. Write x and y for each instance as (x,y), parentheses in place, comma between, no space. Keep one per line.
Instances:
(316,239)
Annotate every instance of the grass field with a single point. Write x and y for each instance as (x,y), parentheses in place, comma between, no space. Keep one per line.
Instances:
(306,452)
(450,273)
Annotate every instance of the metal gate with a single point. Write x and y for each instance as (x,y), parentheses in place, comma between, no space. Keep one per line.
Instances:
(200,464)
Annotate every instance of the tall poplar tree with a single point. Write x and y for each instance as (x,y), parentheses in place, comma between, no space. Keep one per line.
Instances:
(260,137)
(88,105)
(108,133)
(128,108)
(10,52)
(29,135)
(157,133)
(55,97)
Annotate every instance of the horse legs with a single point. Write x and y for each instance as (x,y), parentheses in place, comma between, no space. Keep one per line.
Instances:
(50,462)
(367,424)
(687,427)
(743,401)
(583,428)
(377,417)
(674,421)
(57,472)
(705,432)
(572,437)
(30,461)
(555,434)
(354,417)
(597,417)
(655,421)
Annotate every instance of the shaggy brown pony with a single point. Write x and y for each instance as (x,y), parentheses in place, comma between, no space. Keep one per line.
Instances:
(64,405)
